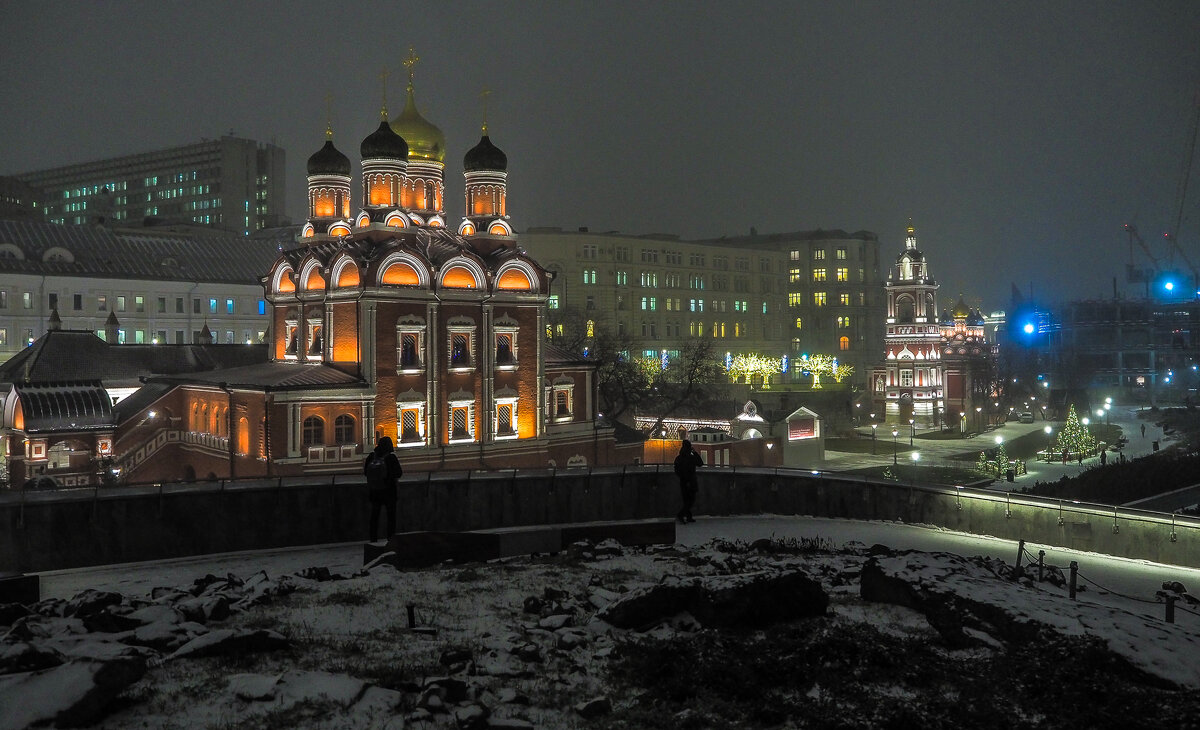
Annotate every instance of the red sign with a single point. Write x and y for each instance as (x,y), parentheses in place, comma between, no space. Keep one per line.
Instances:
(802,428)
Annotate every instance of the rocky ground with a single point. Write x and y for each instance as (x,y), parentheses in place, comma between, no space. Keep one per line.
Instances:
(773,633)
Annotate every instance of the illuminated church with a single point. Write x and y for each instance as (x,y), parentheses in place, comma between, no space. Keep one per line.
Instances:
(937,370)
(384,322)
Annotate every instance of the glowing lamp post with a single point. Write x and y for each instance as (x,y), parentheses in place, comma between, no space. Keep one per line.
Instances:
(895,433)
(962,423)
(912,430)
(916,456)
(978,410)
(874,426)
(1049,442)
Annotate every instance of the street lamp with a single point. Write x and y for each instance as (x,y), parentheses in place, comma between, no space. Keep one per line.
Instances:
(895,433)
(1106,407)
(874,426)
(962,423)
(1049,443)
(978,410)
(912,429)
(912,475)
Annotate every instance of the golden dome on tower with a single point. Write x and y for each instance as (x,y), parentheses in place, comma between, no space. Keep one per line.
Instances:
(961,310)
(425,140)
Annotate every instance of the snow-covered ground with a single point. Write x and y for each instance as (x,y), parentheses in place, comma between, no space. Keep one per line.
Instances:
(490,658)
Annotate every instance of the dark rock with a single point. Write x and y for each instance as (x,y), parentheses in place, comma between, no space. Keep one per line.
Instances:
(471,717)
(452,689)
(229,641)
(555,594)
(878,549)
(749,600)
(107,622)
(532,604)
(529,652)
(91,602)
(320,574)
(69,695)
(455,656)
(25,657)
(10,612)
(49,607)
(594,707)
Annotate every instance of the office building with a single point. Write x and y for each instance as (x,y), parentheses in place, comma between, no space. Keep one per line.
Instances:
(230,183)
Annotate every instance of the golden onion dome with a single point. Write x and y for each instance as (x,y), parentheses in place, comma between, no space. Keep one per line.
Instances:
(425,140)
(961,310)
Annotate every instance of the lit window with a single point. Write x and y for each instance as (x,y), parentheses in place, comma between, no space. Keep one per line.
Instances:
(563,401)
(844,299)
(799,323)
(795,299)
(819,298)
(343,430)
(818,275)
(411,422)
(314,431)
(841,254)
(506,348)
(844,343)
(462,422)
(553,302)
(819,254)
(843,274)
(506,418)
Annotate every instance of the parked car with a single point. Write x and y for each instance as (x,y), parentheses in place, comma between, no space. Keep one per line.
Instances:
(1026,417)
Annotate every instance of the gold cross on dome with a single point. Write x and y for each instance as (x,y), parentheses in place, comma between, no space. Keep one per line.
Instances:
(410,62)
(383,77)
(329,116)
(485,94)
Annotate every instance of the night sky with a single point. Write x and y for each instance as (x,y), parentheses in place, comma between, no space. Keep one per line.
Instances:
(1018,137)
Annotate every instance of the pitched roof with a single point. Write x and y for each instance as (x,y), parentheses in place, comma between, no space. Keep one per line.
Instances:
(75,355)
(267,376)
(45,248)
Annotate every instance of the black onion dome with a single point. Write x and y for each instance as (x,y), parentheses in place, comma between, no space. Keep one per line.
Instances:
(384,142)
(328,161)
(485,156)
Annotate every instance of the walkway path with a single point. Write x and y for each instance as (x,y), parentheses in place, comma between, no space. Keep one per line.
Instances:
(941,449)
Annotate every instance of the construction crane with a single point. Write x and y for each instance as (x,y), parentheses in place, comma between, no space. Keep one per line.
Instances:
(1135,275)
(1185,175)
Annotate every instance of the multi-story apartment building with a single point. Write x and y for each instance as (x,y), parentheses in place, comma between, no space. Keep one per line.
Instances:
(19,200)
(160,288)
(229,183)
(779,295)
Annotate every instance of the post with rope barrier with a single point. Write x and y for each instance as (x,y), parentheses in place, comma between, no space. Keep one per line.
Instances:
(1074,574)
(1170,608)
(1041,564)
(1020,553)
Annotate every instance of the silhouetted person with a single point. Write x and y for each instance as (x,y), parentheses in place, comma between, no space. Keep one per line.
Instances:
(1103,458)
(1143,430)
(382,470)
(685,468)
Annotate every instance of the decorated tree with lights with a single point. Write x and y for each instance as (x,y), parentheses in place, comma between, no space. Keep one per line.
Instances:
(754,365)
(1074,436)
(997,464)
(840,371)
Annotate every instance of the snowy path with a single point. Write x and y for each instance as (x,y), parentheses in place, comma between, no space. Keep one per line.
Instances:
(1139,579)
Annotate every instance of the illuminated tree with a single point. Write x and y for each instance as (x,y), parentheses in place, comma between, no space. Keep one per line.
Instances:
(754,365)
(825,365)
(840,372)
(1074,436)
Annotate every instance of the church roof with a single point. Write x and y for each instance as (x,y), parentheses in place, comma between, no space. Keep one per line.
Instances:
(46,248)
(79,355)
(80,405)
(268,376)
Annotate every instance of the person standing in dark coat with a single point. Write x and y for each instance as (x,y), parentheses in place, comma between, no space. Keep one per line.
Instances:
(686,464)
(382,470)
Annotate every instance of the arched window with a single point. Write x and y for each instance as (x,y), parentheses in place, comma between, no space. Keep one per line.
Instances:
(844,343)
(243,437)
(314,431)
(343,430)
(905,311)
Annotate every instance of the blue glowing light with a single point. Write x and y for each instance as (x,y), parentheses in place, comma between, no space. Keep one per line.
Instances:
(1028,328)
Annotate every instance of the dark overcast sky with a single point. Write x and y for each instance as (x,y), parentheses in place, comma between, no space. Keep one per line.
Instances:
(1017,136)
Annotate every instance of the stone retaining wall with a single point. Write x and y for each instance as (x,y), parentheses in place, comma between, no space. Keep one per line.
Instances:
(72,529)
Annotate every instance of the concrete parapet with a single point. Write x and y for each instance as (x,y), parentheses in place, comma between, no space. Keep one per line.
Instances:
(47,530)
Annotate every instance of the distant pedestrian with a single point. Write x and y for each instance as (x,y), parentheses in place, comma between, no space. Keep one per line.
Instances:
(1064,456)
(382,470)
(685,468)
(1103,458)
(1080,455)
(1143,430)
